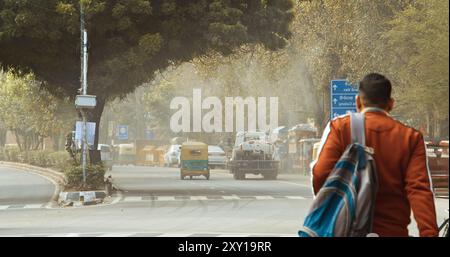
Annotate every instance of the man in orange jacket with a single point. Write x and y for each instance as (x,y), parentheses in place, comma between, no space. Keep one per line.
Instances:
(400,157)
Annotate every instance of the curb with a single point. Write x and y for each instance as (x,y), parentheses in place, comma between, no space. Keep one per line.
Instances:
(79,198)
(57,178)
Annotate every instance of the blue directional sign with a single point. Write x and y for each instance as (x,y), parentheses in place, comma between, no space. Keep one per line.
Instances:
(343,97)
(122,132)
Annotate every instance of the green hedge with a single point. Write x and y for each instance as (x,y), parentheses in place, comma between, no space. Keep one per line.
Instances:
(41,158)
(60,161)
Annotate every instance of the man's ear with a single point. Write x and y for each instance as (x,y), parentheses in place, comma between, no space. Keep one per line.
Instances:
(359,105)
(390,105)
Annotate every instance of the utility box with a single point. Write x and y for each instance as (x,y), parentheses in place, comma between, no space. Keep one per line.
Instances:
(85,101)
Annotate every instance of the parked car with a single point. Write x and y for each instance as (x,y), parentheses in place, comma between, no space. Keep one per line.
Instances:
(172,156)
(106,155)
(216,157)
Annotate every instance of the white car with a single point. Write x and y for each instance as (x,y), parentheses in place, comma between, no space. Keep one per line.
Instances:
(172,156)
(106,155)
(216,157)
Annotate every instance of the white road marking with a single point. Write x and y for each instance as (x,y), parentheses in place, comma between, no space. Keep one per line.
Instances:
(116,235)
(166,198)
(132,199)
(4,207)
(199,198)
(32,206)
(118,198)
(157,234)
(264,197)
(72,235)
(175,235)
(231,197)
(296,197)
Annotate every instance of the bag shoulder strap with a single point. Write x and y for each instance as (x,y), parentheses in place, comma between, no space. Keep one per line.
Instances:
(358,128)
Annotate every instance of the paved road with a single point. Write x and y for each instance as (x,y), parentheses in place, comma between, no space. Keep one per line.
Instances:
(21,188)
(155,181)
(155,202)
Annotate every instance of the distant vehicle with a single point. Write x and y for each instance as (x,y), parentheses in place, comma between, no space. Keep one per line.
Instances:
(279,138)
(253,154)
(127,154)
(194,160)
(172,156)
(216,157)
(297,133)
(106,155)
(177,140)
(306,153)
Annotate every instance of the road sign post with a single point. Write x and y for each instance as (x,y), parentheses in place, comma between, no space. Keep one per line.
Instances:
(342,97)
(122,132)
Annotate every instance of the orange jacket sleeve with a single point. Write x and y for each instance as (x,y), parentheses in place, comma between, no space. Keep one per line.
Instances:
(330,151)
(419,192)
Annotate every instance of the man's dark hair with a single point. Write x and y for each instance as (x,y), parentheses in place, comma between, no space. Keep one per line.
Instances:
(375,89)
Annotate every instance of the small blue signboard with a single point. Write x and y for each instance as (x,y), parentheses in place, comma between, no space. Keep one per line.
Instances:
(149,135)
(343,97)
(122,132)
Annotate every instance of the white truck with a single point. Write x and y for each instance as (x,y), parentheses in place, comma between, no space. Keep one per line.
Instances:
(253,154)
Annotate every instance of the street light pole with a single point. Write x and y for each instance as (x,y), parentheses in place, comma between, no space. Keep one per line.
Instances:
(84,61)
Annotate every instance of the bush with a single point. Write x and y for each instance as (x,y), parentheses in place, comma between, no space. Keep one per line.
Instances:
(41,158)
(59,160)
(37,157)
(11,153)
(94,177)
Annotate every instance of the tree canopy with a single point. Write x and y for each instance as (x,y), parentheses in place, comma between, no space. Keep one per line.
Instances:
(29,112)
(129,40)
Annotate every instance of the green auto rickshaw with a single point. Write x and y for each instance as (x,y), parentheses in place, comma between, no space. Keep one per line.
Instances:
(194,160)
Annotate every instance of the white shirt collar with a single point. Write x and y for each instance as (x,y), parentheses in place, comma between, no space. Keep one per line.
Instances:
(374,109)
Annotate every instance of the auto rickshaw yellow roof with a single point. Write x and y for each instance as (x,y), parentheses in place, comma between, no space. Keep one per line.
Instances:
(192,143)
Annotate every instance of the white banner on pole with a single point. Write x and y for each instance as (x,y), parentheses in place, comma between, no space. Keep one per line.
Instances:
(90,130)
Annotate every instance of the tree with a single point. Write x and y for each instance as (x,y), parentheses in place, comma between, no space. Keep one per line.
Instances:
(340,40)
(29,112)
(130,40)
(418,46)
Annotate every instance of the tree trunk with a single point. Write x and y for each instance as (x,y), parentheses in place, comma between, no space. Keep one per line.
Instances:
(16,134)
(95,115)
(319,104)
(3,137)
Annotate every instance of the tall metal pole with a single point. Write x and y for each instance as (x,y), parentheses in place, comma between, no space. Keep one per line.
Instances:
(83,38)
